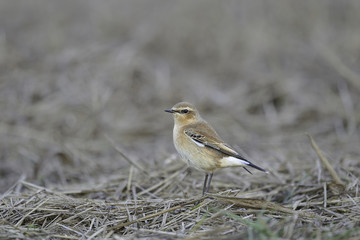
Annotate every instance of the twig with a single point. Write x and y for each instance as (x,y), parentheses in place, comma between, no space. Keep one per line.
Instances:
(336,201)
(70,229)
(63,237)
(33,210)
(132,162)
(260,204)
(325,195)
(121,225)
(339,66)
(291,227)
(79,214)
(174,234)
(130,179)
(18,182)
(211,232)
(325,161)
(159,184)
(181,217)
(98,232)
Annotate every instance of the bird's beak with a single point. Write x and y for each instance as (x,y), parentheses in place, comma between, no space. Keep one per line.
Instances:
(169,111)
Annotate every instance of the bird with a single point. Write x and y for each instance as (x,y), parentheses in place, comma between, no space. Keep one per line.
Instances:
(200,146)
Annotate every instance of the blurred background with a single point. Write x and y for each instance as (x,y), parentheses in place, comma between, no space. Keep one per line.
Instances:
(263,72)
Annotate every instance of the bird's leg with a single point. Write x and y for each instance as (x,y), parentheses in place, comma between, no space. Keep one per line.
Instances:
(209,181)
(205,181)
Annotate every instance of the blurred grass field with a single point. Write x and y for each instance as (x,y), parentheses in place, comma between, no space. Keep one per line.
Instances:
(83,86)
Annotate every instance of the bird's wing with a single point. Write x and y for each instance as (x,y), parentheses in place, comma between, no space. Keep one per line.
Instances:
(210,139)
(205,136)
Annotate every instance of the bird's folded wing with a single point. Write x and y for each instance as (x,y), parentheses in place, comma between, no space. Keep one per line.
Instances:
(211,141)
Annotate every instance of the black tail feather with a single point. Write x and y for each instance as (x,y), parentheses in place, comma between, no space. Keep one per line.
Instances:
(254,166)
(247,170)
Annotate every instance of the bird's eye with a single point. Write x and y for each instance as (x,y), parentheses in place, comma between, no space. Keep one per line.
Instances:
(185,111)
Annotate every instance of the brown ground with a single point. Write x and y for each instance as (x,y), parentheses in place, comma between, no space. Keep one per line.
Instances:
(86,149)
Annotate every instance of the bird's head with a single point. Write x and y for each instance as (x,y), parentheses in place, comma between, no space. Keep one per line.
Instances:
(184,113)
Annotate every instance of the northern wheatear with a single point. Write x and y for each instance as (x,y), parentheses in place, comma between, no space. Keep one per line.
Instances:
(200,146)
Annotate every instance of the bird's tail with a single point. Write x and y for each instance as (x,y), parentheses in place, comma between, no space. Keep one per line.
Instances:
(231,161)
(254,166)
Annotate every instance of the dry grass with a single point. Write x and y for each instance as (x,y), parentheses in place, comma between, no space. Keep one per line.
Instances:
(152,206)
(86,150)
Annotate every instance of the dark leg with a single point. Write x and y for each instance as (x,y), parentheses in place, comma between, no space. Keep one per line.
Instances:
(209,181)
(205,181)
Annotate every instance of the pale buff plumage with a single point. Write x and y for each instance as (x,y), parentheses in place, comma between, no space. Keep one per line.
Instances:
(200,146)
